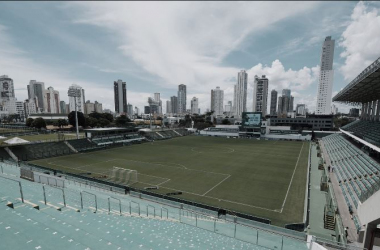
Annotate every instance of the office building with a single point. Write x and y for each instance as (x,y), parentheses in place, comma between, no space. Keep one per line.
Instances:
(326,78)
(79,98)
(168,107)
(240,94)
(62,107)
(137,111)
(260,95)
(181,108)
(228,109)
(217,96)
(174,102)
(36,92)
(273,102)
(354,112)
(157,98)
(7,90)
(120,93)
(285,103)
(194,106)
(89,107)
(130,110)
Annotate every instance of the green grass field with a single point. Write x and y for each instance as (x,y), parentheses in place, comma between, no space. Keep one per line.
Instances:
(42,137)
(262,178)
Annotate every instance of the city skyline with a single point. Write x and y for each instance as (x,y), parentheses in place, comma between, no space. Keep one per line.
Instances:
(274,57)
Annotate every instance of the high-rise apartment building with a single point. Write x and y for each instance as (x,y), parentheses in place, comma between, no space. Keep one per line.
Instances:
(7,90)
(260,95)
(217,96)
(79,98)
(273,102)
(51,101)
(120,93)
(240,94)
(194,105)
(228,108)
(301,110)
(174,102)
(36,92)
(181,99)
(29,107)
(326,78)
(157,98)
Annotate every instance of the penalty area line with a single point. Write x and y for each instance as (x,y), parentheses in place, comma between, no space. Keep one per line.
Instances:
(216,185)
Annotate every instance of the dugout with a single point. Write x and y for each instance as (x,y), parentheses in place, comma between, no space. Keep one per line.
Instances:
(108,132)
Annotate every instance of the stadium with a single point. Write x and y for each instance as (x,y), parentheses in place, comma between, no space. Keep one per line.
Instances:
(119,188)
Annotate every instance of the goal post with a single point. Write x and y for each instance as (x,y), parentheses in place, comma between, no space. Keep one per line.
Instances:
(123,176)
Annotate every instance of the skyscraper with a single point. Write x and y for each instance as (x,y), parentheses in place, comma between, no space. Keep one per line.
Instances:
(240,94)
(217,96)
(157,98)
(130,110)
(181,99)
(36,92)
(174,103)
(285,103)
(194,105)
(120,91)
(326,78)
(301,110)
(79,99)
(6,88)
(260,95)
(51,101)
(62,107)
(273,102)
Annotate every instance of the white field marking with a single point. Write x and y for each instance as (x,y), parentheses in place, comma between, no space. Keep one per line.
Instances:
(291,180)
(234,202)
(80,167)
(275,142)
(163,182)
(159,163)
(171,166)
(216,185)
(200,152)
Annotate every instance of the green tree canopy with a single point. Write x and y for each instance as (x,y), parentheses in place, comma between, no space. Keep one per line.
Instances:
(29,122)
(39,123)
(81,119)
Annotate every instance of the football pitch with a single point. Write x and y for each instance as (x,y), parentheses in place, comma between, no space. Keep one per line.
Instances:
(262,178)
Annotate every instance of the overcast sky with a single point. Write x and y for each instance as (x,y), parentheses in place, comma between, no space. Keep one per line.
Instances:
(155,46)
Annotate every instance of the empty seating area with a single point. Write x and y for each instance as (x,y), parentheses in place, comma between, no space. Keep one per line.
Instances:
(34,151)
(367,130)
(85,218)
(82,144)
(357,173)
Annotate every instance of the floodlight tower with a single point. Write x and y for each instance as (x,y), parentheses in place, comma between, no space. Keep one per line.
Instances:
(74,92)
(151,102)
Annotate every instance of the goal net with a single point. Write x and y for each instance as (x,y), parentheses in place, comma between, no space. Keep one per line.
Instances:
(123,176)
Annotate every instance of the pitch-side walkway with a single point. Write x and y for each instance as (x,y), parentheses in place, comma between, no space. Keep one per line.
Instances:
(317,201)
(342,206)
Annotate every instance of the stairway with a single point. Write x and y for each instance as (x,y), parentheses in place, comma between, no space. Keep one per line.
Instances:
(329,220)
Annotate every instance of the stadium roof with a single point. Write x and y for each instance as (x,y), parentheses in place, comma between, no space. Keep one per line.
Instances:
(364,88)
(106,129)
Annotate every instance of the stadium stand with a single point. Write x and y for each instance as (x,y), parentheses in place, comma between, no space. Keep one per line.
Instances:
(3,154)
(27,152)
(82,144)
(367,130)
(352,155)
(77,217)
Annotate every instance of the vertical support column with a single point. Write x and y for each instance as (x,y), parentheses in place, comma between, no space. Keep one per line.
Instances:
(363,111)
(368,108)
(377,118)
(368,235)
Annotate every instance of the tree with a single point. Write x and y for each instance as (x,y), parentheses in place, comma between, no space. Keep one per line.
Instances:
(107,116)
(92,122)
(103,122)
(122,120)
(81,119)
(62,122)
(226,122)
(39,123)
(29,122)
(96,115)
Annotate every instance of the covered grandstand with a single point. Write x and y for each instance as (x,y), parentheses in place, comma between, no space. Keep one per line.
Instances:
(353,158)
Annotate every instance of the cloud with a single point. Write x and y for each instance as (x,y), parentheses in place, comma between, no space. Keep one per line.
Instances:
(360,41)
(185,42)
